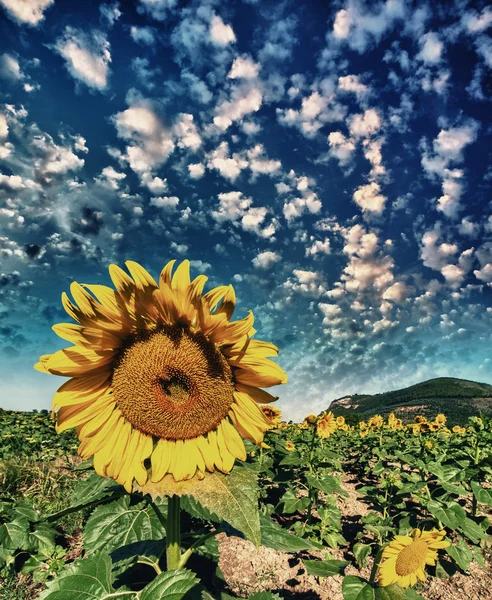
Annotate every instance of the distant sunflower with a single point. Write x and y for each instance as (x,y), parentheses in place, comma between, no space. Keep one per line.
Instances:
(326,425)
(160,372)
(340,421)
(405,557)
(273,414)
(289,446)
(441,419)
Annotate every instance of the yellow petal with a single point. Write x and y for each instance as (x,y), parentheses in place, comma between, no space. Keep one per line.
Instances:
(143,280)
(233,440)
(77,361)
(73,416)
(160,460)
(166,273)
(228,302)
(181,278)
(226,456)
(255,393)
(81,390)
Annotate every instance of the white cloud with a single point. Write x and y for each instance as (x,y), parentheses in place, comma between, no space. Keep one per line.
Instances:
(4,128)
(9,67)
(319,247)
(229,167)
(156,185)
(168,203)
(259,163)
(265,260)
(158,9)
(232,206)
(196,170)
(150,143)
(29,12)
(111,178)
(365,125)
(87,57)
(477,23)
(369,198)
(244,101)
(244,67)
(220,33)
(110,12)
(143,35)
(186,132)
(342,24)
(296,207)
(351,83)
(431,48)
(396,293)
(341,148)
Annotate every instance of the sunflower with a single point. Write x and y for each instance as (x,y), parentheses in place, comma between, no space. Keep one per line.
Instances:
(310,419)
(420,419)
(376,421)
(161,380)
(340,421)
(405,557)
(326,425)
(440,419)
(289,446)
(273,414)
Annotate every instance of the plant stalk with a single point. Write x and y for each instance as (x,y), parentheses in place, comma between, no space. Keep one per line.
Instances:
(173,533)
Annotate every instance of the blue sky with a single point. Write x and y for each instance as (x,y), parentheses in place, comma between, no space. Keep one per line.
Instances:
(331,160)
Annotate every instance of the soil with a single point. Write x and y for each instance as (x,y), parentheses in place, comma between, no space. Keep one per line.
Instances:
(248,570)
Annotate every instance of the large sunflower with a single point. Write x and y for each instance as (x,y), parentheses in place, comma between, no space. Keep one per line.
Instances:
(160,372)
(405,557)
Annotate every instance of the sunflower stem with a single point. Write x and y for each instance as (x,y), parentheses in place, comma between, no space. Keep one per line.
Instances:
(173,533)
(186,555)
(374,570)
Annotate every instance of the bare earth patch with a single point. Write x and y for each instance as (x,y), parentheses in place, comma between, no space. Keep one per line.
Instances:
(248,570)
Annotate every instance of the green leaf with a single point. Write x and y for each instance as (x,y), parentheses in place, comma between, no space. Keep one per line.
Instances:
(361,552)
(150,550)
(13,535)
(170,585)
(276,537)
(355,588)
(461,554)
(42,540)
(472,531)
(87,579)
(93,488)
(325,568)
(452,515)
(292,503)
(389,592)
(265,596)
(233,498)
(195,509)
(481,494)
(326,484)
(28,512)
(293,459)
(119,523)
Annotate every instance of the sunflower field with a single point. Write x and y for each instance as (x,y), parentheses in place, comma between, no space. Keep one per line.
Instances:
(423,496)
(182,481)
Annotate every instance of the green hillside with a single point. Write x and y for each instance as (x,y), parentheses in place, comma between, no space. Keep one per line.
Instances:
(456,398)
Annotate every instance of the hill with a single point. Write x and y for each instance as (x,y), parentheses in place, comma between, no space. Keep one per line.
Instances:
(456,398)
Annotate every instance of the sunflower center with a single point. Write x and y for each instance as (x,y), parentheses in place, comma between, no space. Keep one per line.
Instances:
(411,558)
(173,383)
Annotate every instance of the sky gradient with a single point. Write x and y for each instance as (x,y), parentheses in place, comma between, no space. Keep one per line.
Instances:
(331,160)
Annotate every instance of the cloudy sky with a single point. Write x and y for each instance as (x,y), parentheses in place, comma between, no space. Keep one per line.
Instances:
(330,159)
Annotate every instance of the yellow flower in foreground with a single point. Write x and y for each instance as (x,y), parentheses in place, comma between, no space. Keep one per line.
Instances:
(326,425)
(310,419)
(160,372)
(405,557)
(441,419)
(420,419)
(273,414)
(428,445)
(340,421)
(289,446)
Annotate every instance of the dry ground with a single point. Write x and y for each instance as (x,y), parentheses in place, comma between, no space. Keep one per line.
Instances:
(248,570)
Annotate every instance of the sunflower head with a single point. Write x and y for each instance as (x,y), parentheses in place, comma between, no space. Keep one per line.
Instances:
(310,419)
(160,374)
(420,419)
(441,419)
(376,421)
(272,413)
(326,425)
(405,557)
(289,446)
(340,421)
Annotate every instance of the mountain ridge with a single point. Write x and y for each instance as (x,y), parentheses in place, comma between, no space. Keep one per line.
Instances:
(456,398)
